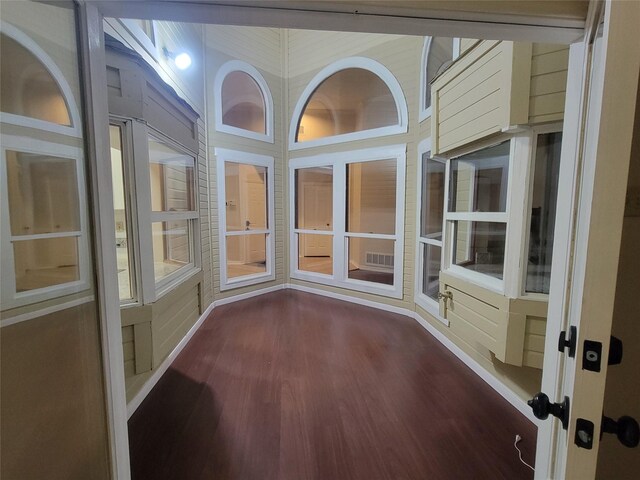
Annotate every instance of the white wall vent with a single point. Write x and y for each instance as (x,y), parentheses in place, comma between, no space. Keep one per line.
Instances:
(379,259)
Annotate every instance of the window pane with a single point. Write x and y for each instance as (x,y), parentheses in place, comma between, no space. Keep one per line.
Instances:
(172,178)
(45,262)
(26,86)
(543,212)
(315,253)
(43,194)
(314,198)
(431,271)
(479,180)
(479,246)
(120,211)
(243,103)
(371,197)
(440,57)
(246,255)
(371,260)
(350,100)
(432,197)
(171,247)
(245,196)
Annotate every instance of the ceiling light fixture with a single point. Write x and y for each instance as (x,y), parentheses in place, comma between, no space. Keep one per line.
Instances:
(181,60)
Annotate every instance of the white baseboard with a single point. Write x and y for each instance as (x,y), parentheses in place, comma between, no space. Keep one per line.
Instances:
(478,369)
(135,402)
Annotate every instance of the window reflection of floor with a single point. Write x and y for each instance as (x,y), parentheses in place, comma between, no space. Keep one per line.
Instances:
(325,265)
(242,269)
(46,277)
(316,264)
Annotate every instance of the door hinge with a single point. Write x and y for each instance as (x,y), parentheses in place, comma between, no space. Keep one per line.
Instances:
(571,342)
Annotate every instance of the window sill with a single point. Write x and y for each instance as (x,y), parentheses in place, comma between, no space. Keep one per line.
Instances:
(248,280)
(391,291)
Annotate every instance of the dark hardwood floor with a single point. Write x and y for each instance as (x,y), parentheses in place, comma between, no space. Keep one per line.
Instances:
(291,385)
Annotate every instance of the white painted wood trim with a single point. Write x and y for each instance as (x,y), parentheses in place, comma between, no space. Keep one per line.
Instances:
(75,130)
(92,54)
(240,66)
(141,37)
(382,18)
(352,62)
(224,155)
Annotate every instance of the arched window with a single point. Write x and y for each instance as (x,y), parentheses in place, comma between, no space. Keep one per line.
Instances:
(243,102)
(437,55)
(34,92)
(351,99)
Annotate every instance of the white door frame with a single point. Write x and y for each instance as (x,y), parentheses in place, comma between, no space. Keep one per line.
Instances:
(92,52)
(447,23)
(598,129)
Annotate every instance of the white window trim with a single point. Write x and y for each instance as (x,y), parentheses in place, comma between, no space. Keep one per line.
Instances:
(352,62)
(425,113)
(240,66)
(339,162)
(9,297)
(150,289)
(75,130)
(224,155)
(141,37)
(422,300)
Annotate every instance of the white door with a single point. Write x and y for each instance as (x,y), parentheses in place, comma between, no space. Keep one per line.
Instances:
(256,218)
(594,168)
(317,211)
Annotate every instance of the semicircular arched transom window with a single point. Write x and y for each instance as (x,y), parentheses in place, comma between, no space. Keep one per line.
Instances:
(243,105)
(243,102)
(438,55)
(28,89)
(351,100)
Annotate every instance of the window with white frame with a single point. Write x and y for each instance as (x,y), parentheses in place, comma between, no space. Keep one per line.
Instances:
(476,213)
(437,55)
(431,196)
(243,102)
(347,210)
(173,209)
(43,220)
(246,218)
(351,99)
(44,250)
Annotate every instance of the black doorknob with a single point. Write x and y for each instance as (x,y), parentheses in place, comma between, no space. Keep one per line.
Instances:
(626,429)
(542,407)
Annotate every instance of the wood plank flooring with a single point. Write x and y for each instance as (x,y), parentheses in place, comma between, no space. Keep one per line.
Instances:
(291,385)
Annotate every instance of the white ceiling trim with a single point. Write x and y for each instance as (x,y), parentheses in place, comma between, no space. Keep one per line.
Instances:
(369,19)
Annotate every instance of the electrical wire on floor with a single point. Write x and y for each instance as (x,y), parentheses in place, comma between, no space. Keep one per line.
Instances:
(515,444)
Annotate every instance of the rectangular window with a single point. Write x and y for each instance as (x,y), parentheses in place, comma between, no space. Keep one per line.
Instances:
(173,210)
(371,210)
(122,215)
(314,213)
(543,212)
(42,220)
(245,206)
(477,213)
(431,195)
(347,210)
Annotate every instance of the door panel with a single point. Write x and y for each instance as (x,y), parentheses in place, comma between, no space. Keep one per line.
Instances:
(583,285)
